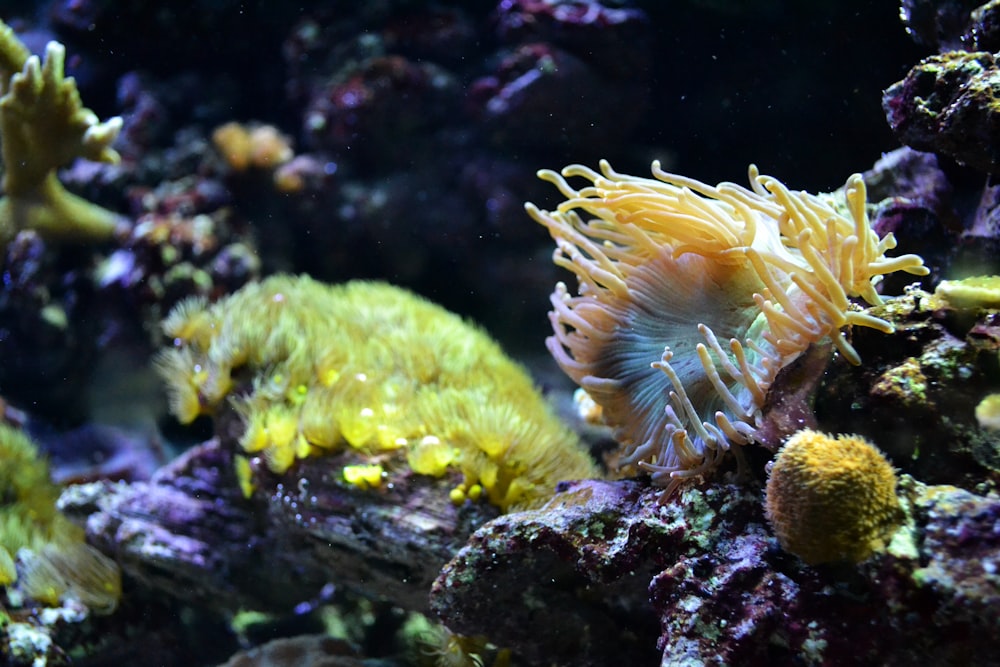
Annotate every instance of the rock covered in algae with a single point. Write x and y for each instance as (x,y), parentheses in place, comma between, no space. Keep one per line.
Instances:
(604,559)
(574,572)
(189,534)
(916,394)
(946,105)
(311,369)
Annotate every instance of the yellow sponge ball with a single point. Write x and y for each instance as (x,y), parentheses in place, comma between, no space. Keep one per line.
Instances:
(831,498)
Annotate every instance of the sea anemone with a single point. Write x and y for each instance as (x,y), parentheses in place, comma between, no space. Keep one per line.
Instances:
(692,298)
(831,498)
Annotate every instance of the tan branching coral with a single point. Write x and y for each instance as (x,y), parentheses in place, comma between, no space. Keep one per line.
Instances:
(43,126)
(692,297)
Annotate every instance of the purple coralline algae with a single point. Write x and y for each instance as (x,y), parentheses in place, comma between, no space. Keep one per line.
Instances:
(949,25)
(605,35)
(912,198)
(509,103)
(946,103)
(582,55)
(189,533)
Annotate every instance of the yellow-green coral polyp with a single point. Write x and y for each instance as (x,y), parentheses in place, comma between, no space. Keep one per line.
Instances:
(974,292)
(53,559)
(312,368)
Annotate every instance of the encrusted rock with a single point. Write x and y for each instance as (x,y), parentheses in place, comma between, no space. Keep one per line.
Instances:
(604,559)
(188,533)
(947,104)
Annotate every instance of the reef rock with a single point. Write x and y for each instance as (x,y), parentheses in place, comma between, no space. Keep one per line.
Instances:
(190,534)
(592,571)
(946,105)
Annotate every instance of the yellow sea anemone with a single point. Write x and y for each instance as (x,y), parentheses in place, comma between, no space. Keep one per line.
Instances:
(692,297)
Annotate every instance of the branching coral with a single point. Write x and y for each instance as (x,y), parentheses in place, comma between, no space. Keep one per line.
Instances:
(831,498)
(313,368)
(53,559)
(43,126)
(700,295)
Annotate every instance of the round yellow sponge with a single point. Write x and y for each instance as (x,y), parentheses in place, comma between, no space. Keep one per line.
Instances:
(831,498)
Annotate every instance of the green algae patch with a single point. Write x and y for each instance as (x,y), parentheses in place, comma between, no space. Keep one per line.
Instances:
(974,292)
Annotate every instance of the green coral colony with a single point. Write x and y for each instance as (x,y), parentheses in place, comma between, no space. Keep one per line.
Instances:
(373,367)
(53,560)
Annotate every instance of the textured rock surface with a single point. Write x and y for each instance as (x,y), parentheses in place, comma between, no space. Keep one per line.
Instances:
(947,104)
(916,392)
(188,533)
(722,590)
(576,572)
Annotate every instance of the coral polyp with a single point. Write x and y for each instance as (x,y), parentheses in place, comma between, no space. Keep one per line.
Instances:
(831,498)
(313,368)
(693,297)
(53,560)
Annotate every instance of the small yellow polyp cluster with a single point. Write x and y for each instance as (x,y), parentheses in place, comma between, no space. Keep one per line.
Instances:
(693,297)
(366,476)
(831,498)
(313,368)
(988,412)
